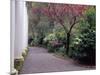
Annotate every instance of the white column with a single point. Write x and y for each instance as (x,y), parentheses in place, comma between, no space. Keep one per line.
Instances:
(12,31)
(21,28)
(25,27)
(12,36)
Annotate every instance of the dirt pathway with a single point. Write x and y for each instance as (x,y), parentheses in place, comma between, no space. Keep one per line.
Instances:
(39,60)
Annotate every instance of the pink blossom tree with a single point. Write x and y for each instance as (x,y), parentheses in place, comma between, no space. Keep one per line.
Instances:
(61,13)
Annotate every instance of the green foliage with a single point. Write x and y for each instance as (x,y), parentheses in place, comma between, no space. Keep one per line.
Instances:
(55,40)
(83,46)
(40,31)
(61,50)
(91,16)
(39,25)
(60,33)
(50,37)
(47,41)
(84,50)
(50,48)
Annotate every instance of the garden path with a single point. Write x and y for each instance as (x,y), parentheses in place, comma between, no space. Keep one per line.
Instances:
(39,60)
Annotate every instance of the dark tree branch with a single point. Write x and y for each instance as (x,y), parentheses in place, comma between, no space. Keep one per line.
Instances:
(72,24)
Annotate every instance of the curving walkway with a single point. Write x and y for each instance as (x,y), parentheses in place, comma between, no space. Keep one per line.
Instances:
(39,60)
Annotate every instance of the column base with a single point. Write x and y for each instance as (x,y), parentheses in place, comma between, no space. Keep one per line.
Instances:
(18,62)
(14,72)
(25,52)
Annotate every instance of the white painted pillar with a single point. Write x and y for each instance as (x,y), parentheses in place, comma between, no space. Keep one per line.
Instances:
(25,27)
(12,36)
(18,29)
(21,28)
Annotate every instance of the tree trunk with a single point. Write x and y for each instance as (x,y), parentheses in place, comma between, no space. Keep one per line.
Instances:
(67,43)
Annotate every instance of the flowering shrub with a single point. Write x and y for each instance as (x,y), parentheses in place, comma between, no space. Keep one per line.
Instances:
(50,37)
